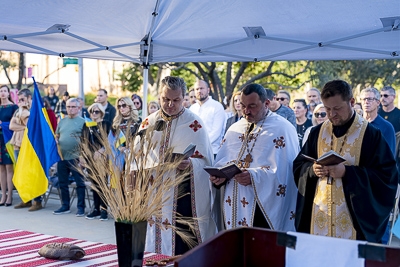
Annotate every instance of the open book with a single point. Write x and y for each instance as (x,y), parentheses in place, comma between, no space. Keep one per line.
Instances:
(329,158)
(188,152)
(227,171)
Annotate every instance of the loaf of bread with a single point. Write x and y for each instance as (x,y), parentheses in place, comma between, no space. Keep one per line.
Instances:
(61,251)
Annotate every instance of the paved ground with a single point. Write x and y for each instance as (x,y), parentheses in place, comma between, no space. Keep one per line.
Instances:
(65,225)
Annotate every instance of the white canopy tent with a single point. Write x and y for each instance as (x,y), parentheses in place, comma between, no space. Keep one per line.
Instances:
(153,31)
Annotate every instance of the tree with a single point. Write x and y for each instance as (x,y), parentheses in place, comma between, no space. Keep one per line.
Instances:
(6,64)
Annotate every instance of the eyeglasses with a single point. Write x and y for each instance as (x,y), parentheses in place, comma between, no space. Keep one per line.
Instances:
(322,114)
(281,98)
(71,106)
(385,95)
(136,103)
(121,106)
(369,99)
(94,112)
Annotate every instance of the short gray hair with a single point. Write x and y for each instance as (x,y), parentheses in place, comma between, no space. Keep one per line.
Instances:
(372,90)
(390,89)
(174,83)
(73,100)
(284,92)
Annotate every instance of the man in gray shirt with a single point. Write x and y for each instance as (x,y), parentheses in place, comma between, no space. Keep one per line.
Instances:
(68,135)
(280,109)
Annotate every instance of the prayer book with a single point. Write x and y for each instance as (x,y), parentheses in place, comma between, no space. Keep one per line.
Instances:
(188,152)
(227,171)
(329,158)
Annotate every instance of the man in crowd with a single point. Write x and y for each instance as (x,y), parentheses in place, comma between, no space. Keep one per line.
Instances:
(280,109)
(51,96)
(68,135)
(192,96)
(370,104)
(313,98)
(61,105)
(263,145)
(389,112)
(284,98)
(83,112)
(18,125)
(186,101)
(181,128)
(110,110)
(350,200)
(211,112)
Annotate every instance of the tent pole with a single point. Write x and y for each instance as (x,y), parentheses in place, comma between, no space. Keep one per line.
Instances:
(80,69)
(145,90)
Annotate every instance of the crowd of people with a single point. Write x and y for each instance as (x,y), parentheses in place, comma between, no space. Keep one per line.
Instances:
(266,134)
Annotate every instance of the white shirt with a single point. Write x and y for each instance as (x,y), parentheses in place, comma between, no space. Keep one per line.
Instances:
(213,115)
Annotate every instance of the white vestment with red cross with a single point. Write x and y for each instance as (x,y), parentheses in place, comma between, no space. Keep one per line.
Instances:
(271,170)
(180,131)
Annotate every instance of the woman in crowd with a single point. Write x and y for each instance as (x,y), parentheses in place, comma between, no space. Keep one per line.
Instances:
(127,119)
(7,109)
(236,109)
(137,101)
(319,116)
(50,113)
(152,107)
(300,111)
(51,97)
(92,135)
(358,108)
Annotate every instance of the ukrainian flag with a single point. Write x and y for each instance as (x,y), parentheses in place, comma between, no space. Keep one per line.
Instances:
(7,135)
(37,154)
(89,122)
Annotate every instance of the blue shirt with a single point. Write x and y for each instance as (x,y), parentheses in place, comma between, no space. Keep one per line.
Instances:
(387,131)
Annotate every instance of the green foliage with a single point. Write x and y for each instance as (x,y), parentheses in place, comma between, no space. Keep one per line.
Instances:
(89,99)
(132,76)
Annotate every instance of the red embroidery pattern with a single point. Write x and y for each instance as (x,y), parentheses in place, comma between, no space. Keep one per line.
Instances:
(223,141)
(145,123)
(151,221)
(195,126)
(292,215)
(243,222)
(197,155)
(229,201)
(267,167)
(279,142)
(281,190)
(194,210)
(166,224)
(244,202)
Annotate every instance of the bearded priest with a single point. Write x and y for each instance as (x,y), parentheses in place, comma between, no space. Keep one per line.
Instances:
(264,146)
(181,127)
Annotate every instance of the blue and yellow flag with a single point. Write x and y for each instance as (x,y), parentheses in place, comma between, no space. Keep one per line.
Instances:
(89,122)
(7,135)
(37,154)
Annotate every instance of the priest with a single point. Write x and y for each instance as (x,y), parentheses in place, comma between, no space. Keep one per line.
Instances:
(180,128)
(264,146)
(350,200)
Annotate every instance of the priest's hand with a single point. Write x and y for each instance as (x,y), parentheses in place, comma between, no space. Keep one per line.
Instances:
(337,171)
(320,171)
(217,180)
(184,164)
(243,178)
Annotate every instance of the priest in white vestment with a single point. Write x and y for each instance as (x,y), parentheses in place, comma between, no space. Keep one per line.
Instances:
(264,145)
(180,128)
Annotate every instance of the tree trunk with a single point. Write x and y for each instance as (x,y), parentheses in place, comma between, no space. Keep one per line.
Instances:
(21,70)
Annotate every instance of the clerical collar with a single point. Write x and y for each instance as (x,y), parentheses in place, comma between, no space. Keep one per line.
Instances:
(167,117)
(339,131)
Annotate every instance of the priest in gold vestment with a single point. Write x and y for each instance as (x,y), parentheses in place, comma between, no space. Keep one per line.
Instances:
(350,200)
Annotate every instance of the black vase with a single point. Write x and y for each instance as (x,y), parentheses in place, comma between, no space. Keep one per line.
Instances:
(131,239)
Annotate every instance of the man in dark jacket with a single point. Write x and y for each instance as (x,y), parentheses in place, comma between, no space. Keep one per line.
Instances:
(110,110)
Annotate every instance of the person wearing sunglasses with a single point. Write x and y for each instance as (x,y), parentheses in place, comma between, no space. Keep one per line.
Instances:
(352,199)
(388,111)
(283,97)
(319,116)
(92,135)
(127,119)
(302,122)
(137,101)
(278,108)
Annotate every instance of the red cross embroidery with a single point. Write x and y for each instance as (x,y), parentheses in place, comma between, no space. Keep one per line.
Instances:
(195,126)
(166,224)
(229,201)
(292,215)
(243,222)
(281,190)
(244,202)
(241,138)
(251,137)
(279,142)
(197,155)
(151,221)
(145,123)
